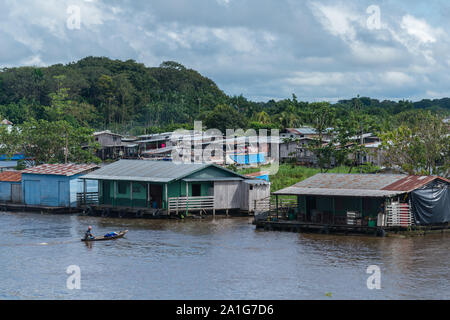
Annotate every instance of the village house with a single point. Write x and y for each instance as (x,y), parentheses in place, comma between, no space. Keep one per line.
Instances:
(55,185)
(168,188)
(11,187)
(7,124)
(370,200)
(114,146)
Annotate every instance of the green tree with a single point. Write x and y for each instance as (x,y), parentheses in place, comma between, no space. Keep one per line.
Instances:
(57,142)
(322,118)
(224,117)
(420,147)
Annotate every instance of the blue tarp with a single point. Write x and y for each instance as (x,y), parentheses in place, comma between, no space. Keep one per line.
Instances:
(15,157)
(248,158)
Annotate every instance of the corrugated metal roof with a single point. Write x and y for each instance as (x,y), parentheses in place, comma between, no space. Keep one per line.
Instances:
(8,164)
(364,193)
(150,171)
(213,179)
(146,171)
(257,174)
(411,183)
(350,181)
(11,176)
(68,170)
(257,182)
(304,130)
(107,132)
(6,122)
(358,185)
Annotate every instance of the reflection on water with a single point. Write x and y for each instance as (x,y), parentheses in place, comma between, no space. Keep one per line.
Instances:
(210,259)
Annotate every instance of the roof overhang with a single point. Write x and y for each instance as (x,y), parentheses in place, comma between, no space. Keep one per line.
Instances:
(213,179)
(362,193)
(125,178)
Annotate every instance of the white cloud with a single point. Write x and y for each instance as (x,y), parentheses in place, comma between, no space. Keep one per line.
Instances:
(258,48)
(420,29)
(336,19)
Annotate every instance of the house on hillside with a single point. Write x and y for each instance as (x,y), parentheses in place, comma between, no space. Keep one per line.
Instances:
(56,185)
(114,146)
(165,187)
(303,132)
(6,123)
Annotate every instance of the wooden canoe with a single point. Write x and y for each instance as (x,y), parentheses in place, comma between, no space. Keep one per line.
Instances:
(103,238)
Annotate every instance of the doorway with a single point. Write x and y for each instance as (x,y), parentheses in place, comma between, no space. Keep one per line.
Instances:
(156,196)
(196,190)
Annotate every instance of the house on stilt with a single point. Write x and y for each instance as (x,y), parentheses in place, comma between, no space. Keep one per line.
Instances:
(164,188)
(361,202)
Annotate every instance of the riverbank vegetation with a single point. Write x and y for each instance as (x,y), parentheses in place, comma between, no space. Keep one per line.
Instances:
(58,107)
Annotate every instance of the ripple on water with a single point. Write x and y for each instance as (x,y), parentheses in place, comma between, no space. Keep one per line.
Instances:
(221,259)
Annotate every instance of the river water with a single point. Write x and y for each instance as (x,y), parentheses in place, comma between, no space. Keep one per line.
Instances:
(211,259)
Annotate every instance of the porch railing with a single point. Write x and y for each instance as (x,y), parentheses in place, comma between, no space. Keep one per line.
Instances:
(268,206)
(181,204)
(88,198)
(399,215)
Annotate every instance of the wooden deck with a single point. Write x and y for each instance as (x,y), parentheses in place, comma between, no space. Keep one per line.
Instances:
(311,227)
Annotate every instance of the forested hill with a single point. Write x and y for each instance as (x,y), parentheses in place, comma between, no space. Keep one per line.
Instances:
(118,92)
(127,96)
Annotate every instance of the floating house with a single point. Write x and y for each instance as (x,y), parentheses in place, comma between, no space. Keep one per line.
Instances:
(55,185)
(11,187)
(170,188)
(367,201)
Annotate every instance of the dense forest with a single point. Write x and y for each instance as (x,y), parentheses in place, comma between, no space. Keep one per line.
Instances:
(57,108)
(130,98)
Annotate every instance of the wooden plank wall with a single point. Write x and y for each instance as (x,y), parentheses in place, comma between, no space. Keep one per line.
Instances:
(227,195)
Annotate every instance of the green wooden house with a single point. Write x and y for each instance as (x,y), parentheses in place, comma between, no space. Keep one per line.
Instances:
(163,185)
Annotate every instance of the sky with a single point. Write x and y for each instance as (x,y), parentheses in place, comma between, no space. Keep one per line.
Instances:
(262,49)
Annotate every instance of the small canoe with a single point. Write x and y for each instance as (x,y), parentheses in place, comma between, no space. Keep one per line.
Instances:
(103,238)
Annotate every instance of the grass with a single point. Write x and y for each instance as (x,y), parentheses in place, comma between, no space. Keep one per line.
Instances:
(289,174)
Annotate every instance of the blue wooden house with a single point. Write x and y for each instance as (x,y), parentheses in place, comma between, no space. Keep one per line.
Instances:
(11,187)
(55,185)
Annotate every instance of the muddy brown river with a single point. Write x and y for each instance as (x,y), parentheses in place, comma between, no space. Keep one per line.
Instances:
(211,259)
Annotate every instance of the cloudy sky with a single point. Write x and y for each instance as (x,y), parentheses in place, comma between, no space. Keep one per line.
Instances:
(262,49)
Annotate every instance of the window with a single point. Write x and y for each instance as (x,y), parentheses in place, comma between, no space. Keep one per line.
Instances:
(122,187)
(136,188)
(196,190)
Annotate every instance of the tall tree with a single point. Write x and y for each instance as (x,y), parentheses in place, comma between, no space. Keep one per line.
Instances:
(420,147)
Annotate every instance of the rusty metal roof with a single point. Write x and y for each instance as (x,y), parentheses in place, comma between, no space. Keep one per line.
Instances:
(61,169)
(11,176)
(357,185)
(411,183)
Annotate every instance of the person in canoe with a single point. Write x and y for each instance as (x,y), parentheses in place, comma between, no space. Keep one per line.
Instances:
(88,234)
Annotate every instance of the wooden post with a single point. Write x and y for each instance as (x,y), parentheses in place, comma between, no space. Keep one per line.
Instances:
(187,198)
(167,199)
(131,193)
(334,209)
(115,192)
(149,203)
(84,191)
(276,204)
